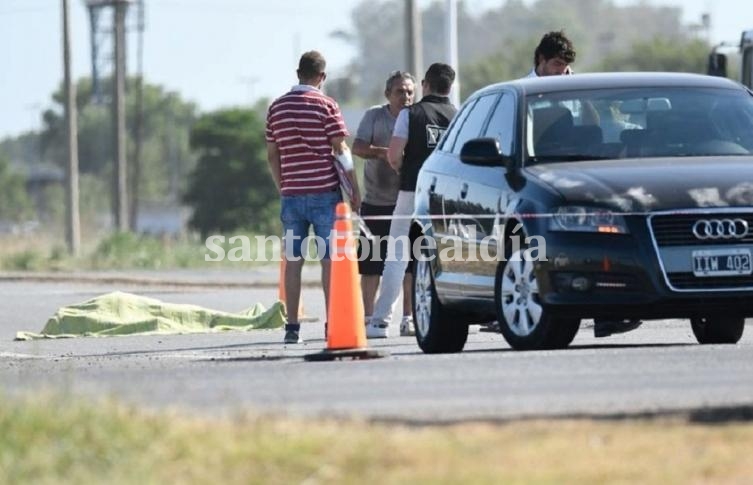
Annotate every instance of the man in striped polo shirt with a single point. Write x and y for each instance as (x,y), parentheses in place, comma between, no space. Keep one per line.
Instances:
(305,130)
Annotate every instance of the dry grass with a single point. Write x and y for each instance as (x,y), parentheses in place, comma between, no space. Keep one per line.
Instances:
(118,251)
(54,441)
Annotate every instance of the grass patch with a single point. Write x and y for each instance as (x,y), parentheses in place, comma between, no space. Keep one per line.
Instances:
(59,441)
(122,251)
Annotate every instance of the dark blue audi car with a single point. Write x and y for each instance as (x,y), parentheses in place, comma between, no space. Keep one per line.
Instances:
(616,196)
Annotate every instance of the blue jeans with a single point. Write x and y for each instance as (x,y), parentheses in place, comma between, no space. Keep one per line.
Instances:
(299,212)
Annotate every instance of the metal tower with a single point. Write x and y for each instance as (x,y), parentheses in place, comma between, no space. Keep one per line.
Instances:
(102,26)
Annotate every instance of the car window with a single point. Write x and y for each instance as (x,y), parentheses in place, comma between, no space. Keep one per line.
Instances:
(502,124)
(638,122)
(452,133)
(474,122)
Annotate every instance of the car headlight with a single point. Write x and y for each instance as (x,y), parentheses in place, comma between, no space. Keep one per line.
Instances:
(587,219)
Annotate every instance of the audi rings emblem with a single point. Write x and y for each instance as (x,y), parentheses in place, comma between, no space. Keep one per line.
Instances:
(720,229)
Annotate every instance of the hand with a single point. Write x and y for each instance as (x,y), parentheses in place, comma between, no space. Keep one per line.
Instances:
(355,203)
(381,153)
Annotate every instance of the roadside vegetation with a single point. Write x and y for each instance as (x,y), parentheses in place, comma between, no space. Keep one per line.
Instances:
(119,251)
(59,440)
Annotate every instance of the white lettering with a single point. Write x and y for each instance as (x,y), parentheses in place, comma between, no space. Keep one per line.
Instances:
(212,245)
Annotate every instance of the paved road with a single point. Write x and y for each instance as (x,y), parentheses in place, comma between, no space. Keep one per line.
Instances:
(653,369)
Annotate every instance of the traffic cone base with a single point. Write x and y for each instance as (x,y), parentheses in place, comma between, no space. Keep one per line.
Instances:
(351,354)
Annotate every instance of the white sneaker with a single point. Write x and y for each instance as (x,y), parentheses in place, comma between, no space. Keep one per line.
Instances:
(407,329)
(377,330)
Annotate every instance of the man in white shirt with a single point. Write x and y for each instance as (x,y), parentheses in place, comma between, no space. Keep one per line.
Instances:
(553,55)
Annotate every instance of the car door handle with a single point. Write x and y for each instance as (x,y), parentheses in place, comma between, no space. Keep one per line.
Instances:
(433,185)
(463,191)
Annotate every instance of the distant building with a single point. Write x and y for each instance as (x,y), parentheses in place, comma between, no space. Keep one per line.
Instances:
(162,220)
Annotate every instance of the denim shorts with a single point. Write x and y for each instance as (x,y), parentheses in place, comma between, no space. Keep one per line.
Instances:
(299,212)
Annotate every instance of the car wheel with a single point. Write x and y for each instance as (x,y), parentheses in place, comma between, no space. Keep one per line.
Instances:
(523,320)
(718,330)
(437,329)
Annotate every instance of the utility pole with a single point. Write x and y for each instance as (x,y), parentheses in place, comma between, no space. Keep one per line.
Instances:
(121,166)
(451,27)
(72,226)
(413,39)
(139,128)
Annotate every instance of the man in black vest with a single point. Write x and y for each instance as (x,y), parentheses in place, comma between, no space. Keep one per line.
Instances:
(417,130)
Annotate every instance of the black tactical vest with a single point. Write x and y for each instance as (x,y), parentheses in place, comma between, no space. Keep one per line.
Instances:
(427,121)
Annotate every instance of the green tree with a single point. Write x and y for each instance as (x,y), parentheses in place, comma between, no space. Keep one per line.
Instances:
(231,186)
(15,204)
(511,62)
(506,35)
(661,54)
(23,148)
(166,155)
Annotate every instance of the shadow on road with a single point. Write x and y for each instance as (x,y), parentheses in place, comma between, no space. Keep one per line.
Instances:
(586,347)
(631,346)
(723,415)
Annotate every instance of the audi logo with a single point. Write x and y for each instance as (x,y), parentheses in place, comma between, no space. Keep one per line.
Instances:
(720,229)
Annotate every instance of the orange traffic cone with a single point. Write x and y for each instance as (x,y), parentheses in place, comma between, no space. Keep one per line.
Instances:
(346,332)
(282,296)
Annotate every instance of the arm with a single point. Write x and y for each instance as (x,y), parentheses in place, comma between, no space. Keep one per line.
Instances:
(395,152)
(339,147)
(366,150)
(399,140)
(362,146)
(273,158)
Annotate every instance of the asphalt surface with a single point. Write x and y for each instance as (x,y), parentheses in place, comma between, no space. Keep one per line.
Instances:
(657,368)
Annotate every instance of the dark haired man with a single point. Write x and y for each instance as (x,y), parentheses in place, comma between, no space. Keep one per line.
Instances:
(553,55)
(381,186)
(417,131)
(305,131)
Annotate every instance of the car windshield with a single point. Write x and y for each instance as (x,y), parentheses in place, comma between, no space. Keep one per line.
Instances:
(642,122)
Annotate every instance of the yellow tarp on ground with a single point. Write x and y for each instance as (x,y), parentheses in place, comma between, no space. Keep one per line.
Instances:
(121,313)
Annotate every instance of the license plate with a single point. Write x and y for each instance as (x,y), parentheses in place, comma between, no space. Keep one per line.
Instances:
(721,262)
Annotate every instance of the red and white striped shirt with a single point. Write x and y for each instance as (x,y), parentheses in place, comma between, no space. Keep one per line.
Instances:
(302,124)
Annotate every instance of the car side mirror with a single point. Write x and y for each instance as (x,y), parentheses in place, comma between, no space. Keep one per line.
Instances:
(484,152)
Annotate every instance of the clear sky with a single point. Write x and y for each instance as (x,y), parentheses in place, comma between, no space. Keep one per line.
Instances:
(219,52)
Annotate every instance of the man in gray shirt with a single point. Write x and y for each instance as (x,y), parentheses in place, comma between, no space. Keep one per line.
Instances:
(382,184)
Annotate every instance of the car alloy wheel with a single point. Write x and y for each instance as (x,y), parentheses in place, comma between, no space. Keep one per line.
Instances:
(524,322)
(438,329)
(422,297)
(520,295)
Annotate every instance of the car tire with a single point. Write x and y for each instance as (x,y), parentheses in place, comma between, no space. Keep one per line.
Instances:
(438,330)
(523,320)
(718,330)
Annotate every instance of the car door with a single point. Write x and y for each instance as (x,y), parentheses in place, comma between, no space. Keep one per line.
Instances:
(458,215)
(485,195)
(439,175)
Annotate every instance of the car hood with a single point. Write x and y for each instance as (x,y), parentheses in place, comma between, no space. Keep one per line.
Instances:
(652,184)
